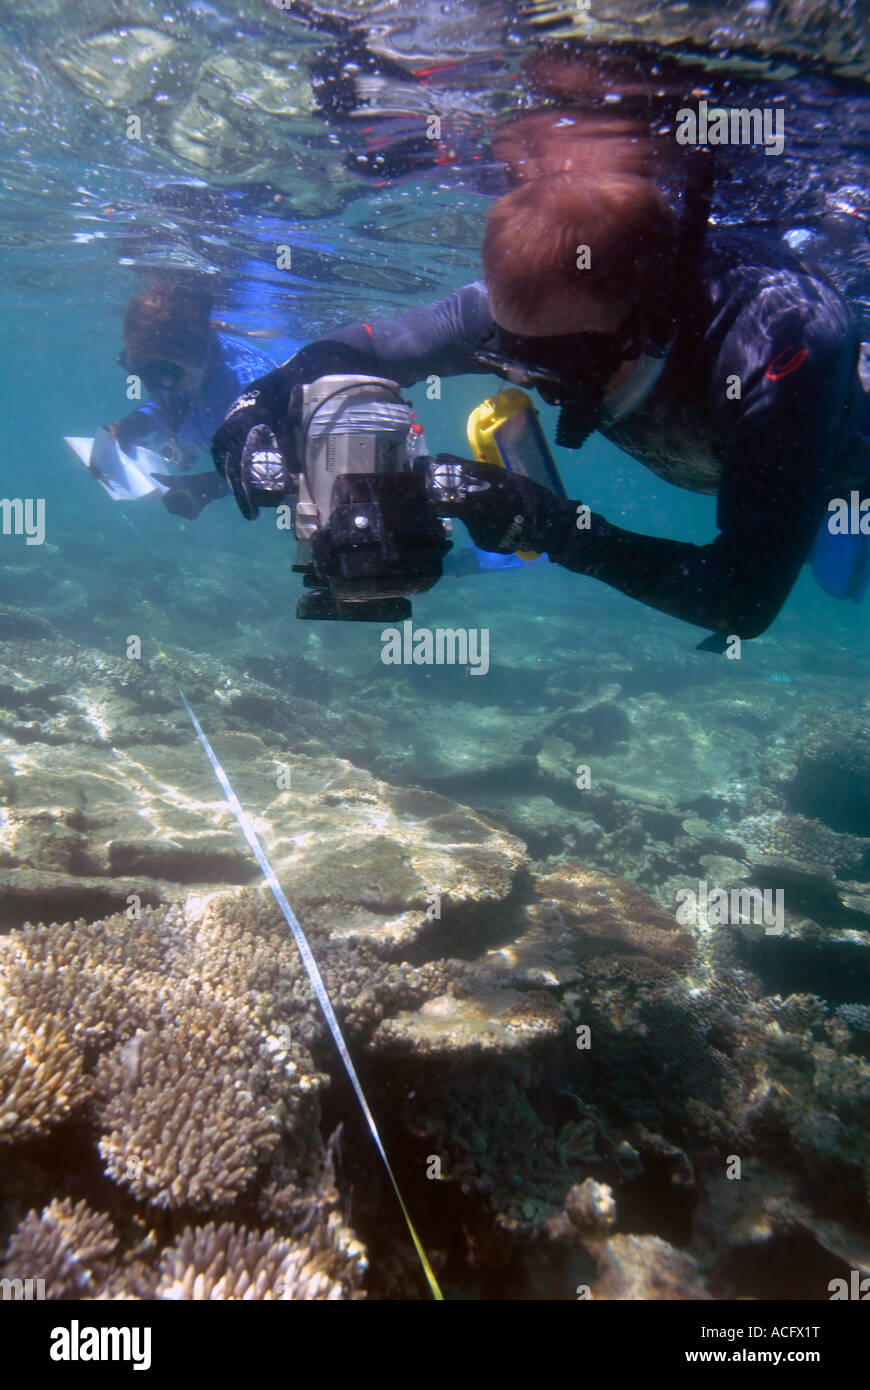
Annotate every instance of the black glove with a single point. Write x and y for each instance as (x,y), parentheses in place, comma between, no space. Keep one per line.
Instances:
(131,430)
(503,511)
(186,497)
(253,449)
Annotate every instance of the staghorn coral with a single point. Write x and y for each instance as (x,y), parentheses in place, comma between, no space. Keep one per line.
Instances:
(230,1262)
(41,1074)
(99,977)
(68,1246)
(188,1115)
(195,1090)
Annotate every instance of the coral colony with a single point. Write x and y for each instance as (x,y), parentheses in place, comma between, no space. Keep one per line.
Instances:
(166,1037)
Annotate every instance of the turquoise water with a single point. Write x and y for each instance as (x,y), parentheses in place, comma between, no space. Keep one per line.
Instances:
(471,904)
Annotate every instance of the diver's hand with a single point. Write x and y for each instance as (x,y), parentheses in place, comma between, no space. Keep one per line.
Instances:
(253,449)
(180,453)
(186,497)
(503,511)
(130,430)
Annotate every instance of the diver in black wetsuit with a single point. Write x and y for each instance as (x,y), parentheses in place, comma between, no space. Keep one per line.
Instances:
(714,358)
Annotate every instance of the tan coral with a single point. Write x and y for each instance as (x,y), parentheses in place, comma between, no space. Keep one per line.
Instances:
(204,1073)
(604,914)
(802,840)
(68,1246)
(644,1268)
(577,922)
(187,1119)
(98,977)
(501,1020)
(41,1075)
(238,947)
(590,1206)
(231,1262)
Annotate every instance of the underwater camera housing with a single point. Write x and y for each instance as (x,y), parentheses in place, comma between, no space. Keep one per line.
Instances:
(367,532)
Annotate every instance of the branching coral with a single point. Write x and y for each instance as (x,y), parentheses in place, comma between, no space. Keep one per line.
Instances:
(41,1075)
(65,1245)
(230,1262)
(99,977)
(188,1114)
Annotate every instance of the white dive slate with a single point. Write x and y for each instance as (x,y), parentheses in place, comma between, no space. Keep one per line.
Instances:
(124,476)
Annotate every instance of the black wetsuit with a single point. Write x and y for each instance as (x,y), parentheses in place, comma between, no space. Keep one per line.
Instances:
(759,402)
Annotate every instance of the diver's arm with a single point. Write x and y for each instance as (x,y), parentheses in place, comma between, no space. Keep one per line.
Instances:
(780,442)
(133,428)
(436,338)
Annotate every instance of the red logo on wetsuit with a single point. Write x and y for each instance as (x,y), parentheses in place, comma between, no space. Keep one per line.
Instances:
(786,362)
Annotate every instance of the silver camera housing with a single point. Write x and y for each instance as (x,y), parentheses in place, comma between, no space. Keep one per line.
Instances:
(349,424)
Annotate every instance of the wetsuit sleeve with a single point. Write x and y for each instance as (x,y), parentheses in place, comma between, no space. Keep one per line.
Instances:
(790,354)
(437,339)
(137,425)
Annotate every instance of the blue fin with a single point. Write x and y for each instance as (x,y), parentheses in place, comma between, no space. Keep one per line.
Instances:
(840,563)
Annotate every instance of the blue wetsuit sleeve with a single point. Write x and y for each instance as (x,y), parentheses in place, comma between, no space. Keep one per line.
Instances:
(138,425)
(779,393)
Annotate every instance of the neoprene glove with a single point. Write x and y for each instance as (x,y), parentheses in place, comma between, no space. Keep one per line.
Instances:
(503,511)
(253,449)
(186,497)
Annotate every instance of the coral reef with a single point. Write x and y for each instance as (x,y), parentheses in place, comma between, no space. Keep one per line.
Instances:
(68,1246)
(188,1117)
(804,841)
(645,1267)
(562,1070)
(229,1262)
(41,1075)
(832,776)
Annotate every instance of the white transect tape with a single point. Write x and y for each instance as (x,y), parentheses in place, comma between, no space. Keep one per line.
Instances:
(310,965)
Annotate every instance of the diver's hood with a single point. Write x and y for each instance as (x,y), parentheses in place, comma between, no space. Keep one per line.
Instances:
(572,370)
